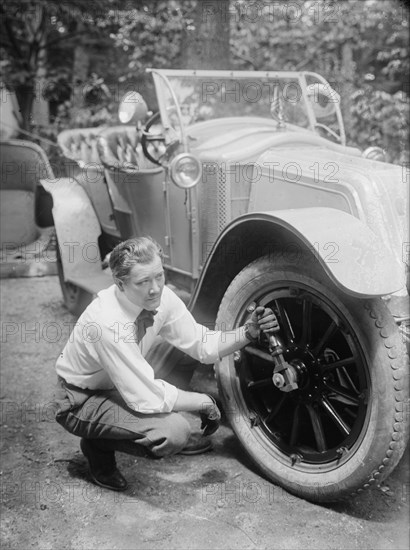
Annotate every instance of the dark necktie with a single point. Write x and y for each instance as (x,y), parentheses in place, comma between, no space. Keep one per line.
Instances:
(144,320)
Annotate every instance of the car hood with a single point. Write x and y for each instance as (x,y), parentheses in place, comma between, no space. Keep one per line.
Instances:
(244,139)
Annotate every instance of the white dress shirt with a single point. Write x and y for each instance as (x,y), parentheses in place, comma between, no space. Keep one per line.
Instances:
(102,352)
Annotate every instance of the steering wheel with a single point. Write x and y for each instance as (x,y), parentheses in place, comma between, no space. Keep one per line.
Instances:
(148,138)
(328,130)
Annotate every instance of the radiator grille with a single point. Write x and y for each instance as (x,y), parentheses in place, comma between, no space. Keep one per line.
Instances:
(214,205)
(223,200)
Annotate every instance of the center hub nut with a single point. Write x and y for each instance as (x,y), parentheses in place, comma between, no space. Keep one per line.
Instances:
(278,380)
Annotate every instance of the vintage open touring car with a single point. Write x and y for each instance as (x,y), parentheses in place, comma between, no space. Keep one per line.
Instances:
(245,180)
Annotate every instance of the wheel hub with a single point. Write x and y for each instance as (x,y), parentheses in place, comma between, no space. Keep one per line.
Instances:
(293,375)
(301,371)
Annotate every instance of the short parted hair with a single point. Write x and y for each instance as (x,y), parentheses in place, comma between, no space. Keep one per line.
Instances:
(129,253)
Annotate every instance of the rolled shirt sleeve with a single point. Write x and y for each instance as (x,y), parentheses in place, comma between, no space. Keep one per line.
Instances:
(183,332)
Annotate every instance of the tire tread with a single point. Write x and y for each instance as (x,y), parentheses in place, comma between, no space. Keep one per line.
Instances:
(400,422)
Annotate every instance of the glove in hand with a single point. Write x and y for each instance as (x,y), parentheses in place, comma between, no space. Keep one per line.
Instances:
(211,419)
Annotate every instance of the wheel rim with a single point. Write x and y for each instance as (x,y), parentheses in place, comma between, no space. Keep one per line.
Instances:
(322,421)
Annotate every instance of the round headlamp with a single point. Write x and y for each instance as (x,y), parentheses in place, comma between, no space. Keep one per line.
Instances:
(186,171)
(132,108)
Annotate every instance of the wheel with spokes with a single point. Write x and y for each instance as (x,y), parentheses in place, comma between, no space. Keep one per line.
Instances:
(344,426)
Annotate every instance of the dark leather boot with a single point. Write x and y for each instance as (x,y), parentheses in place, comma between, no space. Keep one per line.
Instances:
(101,460)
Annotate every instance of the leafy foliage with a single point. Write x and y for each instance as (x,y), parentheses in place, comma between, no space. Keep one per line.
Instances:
(381,119)
(311,35)
(46,31)
(360,47)
(151,35)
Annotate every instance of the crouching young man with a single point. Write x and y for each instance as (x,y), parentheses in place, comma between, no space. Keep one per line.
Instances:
(108,391)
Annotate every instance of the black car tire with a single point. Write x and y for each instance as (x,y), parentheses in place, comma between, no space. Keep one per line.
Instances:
(345,427)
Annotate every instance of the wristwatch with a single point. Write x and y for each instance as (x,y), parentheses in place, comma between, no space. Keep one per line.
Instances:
(248,334)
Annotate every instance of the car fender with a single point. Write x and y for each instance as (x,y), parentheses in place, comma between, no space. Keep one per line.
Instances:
(349,251)
(351,254)
(77,228)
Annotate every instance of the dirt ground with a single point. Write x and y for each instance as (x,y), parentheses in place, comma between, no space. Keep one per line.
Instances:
(213,501)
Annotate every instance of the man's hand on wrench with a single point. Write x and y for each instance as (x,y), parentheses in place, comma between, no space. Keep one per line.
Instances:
(264,319)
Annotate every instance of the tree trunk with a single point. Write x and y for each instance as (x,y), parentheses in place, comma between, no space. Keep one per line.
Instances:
(347,80)
(205,42)
(25,97)
(40,112)
(34,106)
(81,66)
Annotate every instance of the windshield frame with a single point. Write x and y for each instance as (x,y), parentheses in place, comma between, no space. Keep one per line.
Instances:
(163,84)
